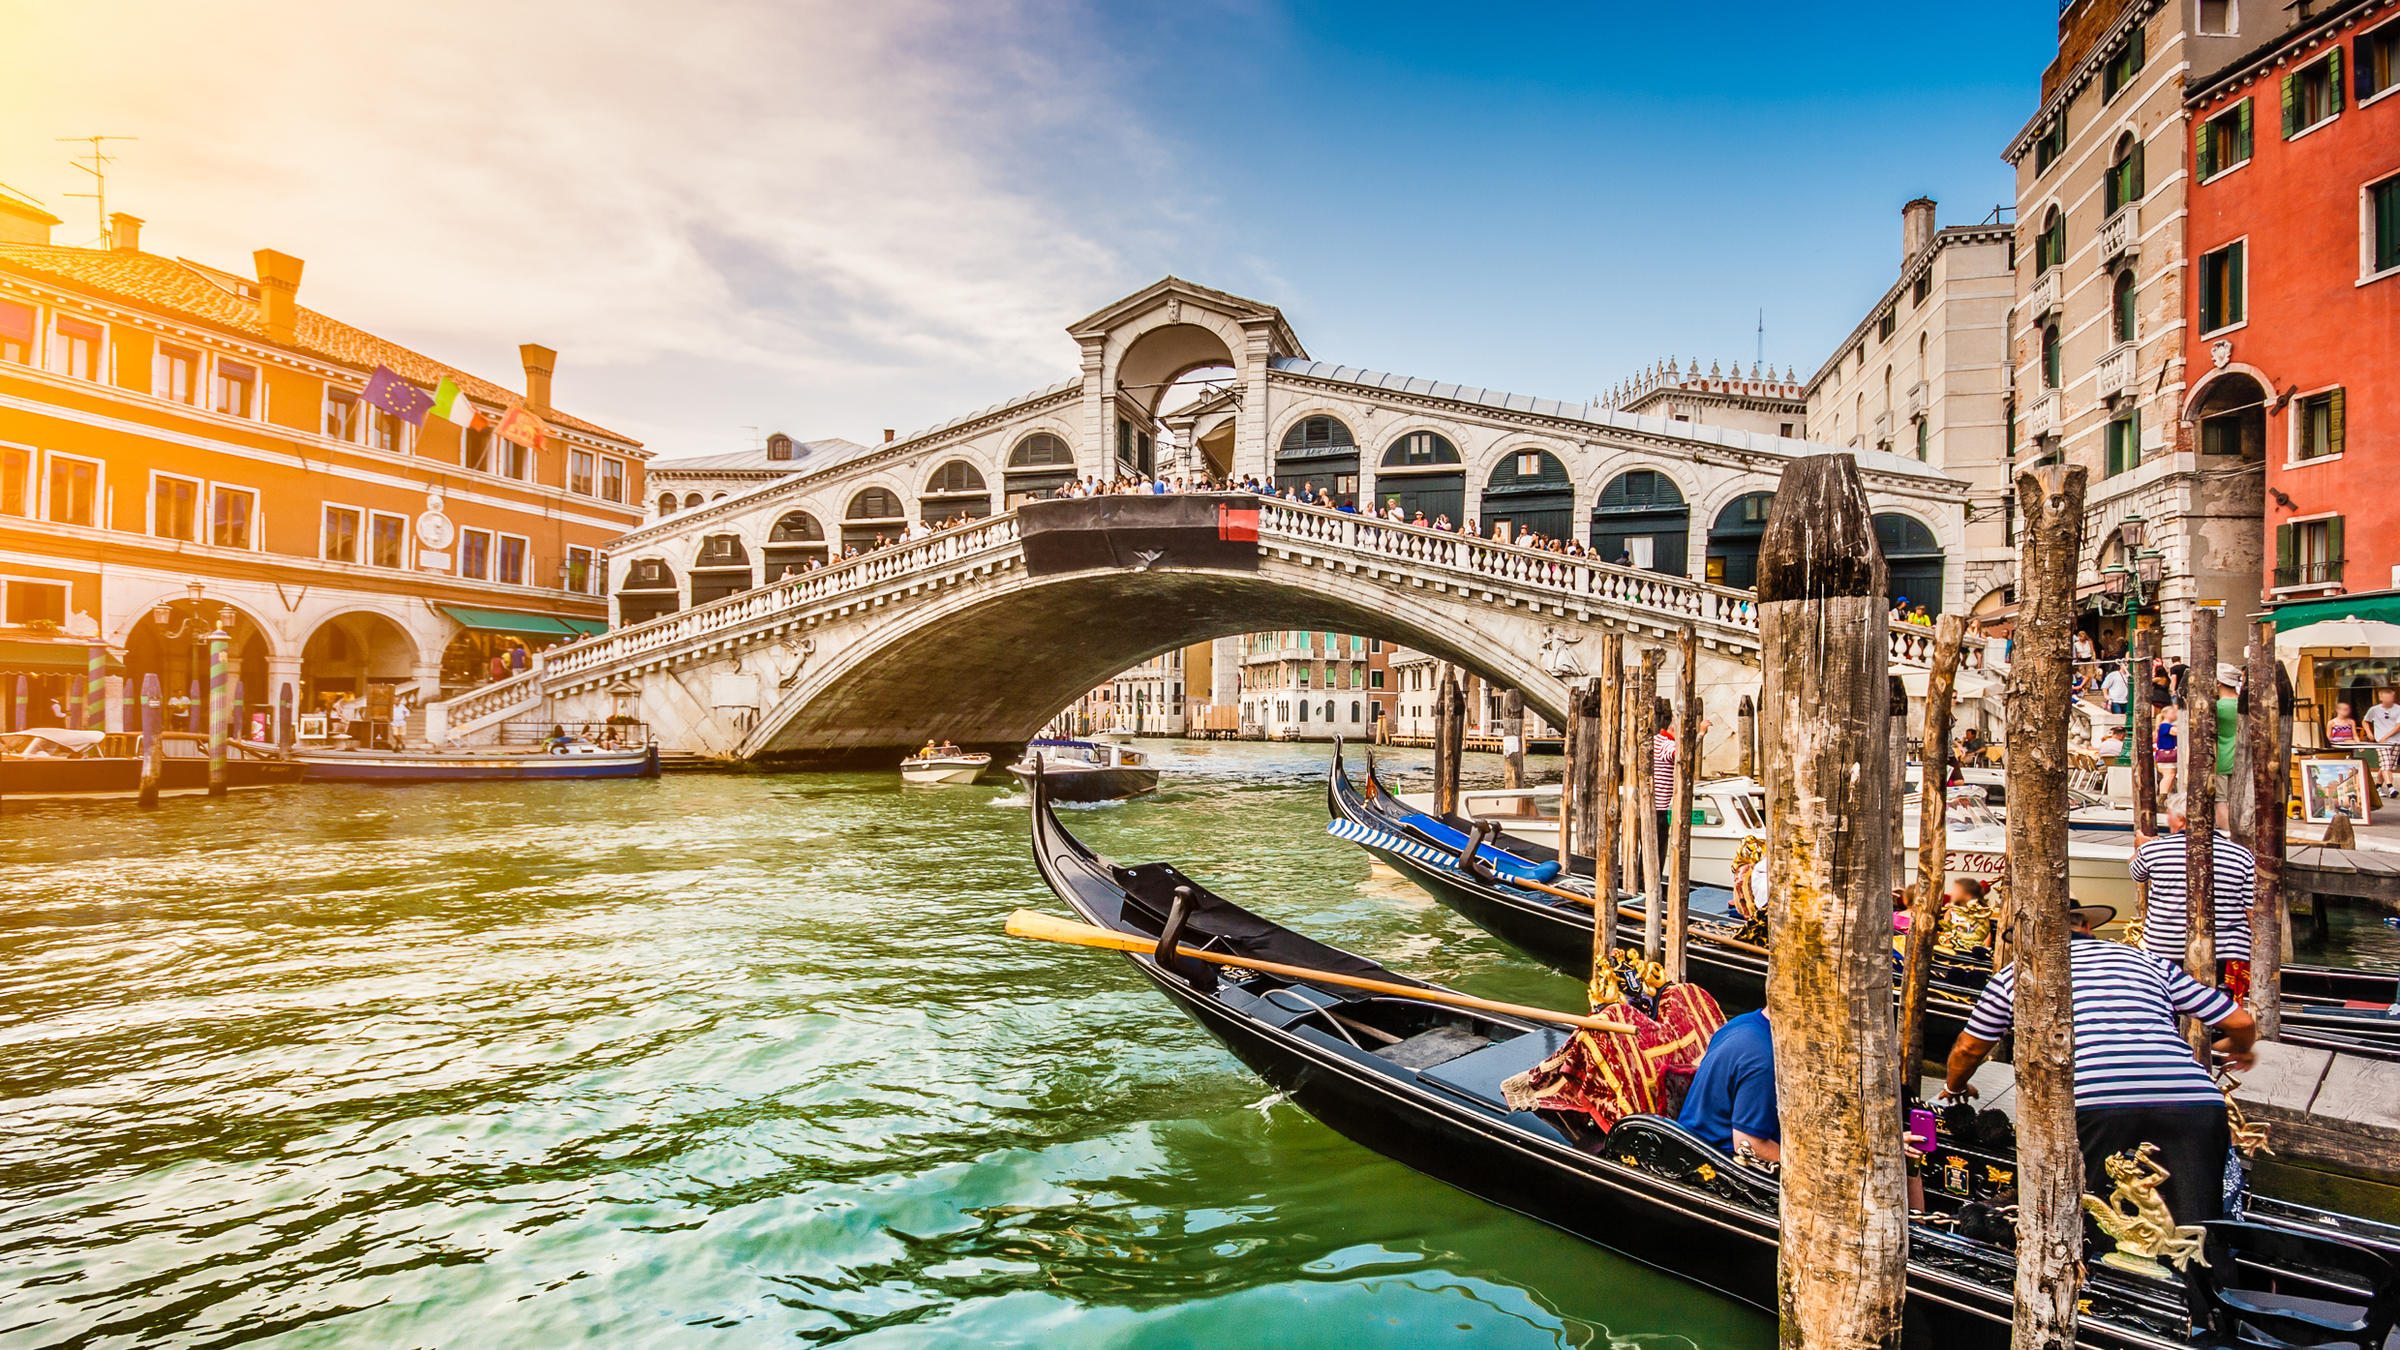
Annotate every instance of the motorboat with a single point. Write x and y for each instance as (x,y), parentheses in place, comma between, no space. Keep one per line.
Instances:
(1087,771)
(59,763)
(944,764)
(1421,1083)
(567,758)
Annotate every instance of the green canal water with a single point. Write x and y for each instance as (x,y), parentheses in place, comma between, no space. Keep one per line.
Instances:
(712,1061)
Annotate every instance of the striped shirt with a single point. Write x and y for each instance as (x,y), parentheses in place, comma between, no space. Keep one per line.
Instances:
(2166,917)
(2127,1052)
(1662,771)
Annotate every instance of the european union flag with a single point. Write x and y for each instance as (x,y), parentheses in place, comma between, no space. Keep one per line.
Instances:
(386,390)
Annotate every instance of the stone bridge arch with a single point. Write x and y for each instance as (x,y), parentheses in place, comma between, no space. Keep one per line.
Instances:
(930,670)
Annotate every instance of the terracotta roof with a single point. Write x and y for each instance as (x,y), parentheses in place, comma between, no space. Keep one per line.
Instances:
(189,291)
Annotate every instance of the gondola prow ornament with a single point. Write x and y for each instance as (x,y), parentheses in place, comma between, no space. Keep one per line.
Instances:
(2138,1218)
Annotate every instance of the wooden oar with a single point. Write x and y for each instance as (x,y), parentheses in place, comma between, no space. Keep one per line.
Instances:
(1032,923)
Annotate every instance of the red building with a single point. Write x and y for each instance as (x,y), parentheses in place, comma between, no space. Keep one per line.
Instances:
(2293,301)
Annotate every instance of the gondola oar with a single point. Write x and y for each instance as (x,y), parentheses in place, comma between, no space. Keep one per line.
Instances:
(1032,923)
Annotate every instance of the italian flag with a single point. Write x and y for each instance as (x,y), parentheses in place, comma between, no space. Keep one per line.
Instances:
(451,403)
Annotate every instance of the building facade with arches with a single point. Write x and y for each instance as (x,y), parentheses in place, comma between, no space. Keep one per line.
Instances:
(185,449)
(1650,486)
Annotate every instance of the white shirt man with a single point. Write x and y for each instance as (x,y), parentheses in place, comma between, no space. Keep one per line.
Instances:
(2383,728)
(2113,687)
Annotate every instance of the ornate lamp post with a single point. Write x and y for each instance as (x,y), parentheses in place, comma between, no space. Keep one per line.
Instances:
(2130,585)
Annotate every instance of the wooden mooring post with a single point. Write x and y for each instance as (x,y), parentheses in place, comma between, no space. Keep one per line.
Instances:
(2049,1161)
(1822,623)
(1608,755)
(153,753)
(1641,777)
(1745,726)
(2145,731)
(2200,820)
(2265,696)
(1569,838)
(1687,774)
(1933,843)
(1449,740)
(1896,764)
(1512,739)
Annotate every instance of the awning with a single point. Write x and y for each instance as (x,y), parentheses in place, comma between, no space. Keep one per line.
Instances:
(587,627)
(24,654)
(508,621)
(2383,607)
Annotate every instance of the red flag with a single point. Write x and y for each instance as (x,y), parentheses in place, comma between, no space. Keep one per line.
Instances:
(523,428)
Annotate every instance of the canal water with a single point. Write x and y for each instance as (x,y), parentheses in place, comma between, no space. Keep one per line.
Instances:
(713,1060)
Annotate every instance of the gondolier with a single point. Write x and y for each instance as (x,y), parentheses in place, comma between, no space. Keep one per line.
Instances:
(2135,1080)
(2159,860)
(1663,749)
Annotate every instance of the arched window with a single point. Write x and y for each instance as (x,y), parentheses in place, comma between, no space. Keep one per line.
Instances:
(2050,246)
(1641,520)
(1733,540)
(721,568)
(956,489)
(1319,452)
(690,500)
(2125,305)
(955,476)
(875,504)
(795,541)
(1038,465)
(1530,491)
(2050,358)
(1422,472)
(648,591)
(779,447)
(2124,182)
(1914,557)
(796,527)
(1355,713)
(666,503)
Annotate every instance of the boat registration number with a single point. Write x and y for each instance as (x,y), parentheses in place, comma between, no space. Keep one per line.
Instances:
(1958,862)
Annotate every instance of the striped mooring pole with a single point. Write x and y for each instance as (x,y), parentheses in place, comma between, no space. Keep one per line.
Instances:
(95,687)
(23,703)
(154,722)
(220,708)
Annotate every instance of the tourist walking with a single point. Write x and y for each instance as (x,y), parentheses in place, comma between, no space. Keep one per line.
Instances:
(2159,861)
(2383,729)
(2163,749)
(2113,686)
(2135,1080)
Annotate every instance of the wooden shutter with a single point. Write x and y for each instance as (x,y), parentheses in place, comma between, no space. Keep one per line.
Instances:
(2285,555)
(2241,131)
(2333,80)
(2291,103)
(2333,423)
(2232,302)
(2204,148)
(2134,186)
(2333,547)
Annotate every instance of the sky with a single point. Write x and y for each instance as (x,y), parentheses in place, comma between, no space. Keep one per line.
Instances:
(829,219)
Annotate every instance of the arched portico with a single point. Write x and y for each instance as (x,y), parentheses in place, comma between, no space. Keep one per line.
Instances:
(348,654)
(177,652)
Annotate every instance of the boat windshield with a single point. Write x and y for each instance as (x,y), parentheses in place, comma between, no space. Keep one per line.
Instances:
(51,743)
(1531,804)
(1969,811)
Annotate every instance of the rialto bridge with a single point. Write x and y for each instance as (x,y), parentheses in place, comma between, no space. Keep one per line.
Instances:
(728,644)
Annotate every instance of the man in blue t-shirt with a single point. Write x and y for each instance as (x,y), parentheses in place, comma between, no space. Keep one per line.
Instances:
(1732,1098)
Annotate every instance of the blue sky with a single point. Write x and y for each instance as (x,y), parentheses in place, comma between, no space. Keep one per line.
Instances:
(736,217)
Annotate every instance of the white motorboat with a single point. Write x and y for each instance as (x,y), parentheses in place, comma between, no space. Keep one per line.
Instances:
(1086,771)
(944,764)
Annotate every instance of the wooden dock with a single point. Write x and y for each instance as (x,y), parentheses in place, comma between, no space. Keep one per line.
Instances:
(2353,873)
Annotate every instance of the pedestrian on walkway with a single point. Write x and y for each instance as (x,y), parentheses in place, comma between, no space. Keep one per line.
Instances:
(2383,729)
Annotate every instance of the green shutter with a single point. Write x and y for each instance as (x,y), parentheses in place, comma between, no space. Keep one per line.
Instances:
(2133,437)
(2135,186)
(2204,148)
(2232,301)
(2286,557)
(2333,79)
(2333,546)
(2291,103)
(2333,423)
(2241,131)
(2387,224)
(2140,49)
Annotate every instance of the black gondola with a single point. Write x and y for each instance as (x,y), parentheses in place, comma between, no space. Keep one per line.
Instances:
(1558,932)
(1419,1082)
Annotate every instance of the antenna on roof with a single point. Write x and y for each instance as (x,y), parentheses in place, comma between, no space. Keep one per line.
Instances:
(1762,335)
(98,169)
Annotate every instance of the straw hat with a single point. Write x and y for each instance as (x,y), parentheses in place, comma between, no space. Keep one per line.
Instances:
(2095,916)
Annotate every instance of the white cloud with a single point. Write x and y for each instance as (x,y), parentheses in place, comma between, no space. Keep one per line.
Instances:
(821,217)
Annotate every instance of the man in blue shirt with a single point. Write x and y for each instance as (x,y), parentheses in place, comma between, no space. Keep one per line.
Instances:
(2136,1081)
(1732,1098)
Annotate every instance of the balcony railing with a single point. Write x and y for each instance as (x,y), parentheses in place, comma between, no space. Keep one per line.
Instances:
(2114,374)
(2121,234)
(2042,301)
(1915,405)
(2045,415)
(2327,572)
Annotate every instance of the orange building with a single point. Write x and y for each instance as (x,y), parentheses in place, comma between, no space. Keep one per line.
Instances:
(179,443)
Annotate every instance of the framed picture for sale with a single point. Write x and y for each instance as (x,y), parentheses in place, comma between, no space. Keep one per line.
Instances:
(2334,787)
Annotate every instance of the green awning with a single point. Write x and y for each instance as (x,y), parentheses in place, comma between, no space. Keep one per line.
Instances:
(2382,606)
(587,627)
(508,621)
(22,654)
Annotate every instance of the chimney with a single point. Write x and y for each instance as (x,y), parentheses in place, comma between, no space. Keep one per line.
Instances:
(23,222)
(124,233)
(278,287)
(889,435)
(539,360)
(1916,228)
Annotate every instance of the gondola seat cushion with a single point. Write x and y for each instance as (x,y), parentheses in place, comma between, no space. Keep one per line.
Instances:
(1479,1074)
(1507,864)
